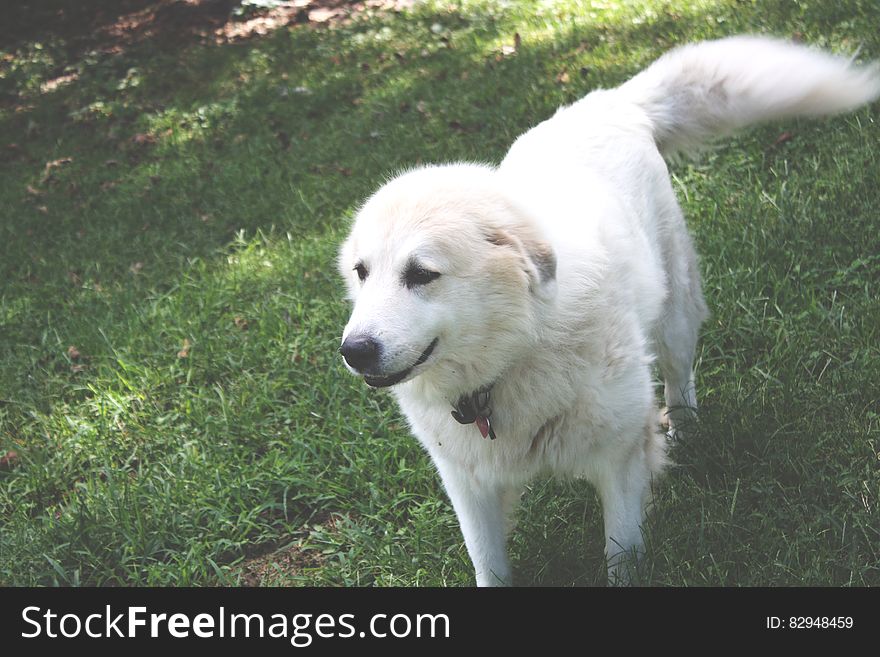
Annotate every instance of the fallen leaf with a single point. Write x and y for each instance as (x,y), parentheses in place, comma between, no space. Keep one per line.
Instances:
(42,209)
(563,77)
(76,369)
(52,165)
(322,15)
(184,351)
(52,85)
(240,323)
(136,267)
(8,460)
(60,162)
(508,50)
(143,139)
(781,139)
(73,353)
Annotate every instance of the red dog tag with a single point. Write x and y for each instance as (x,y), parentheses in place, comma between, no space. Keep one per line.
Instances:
(485,428)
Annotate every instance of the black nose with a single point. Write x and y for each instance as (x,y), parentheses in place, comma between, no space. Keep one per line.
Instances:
(361,352)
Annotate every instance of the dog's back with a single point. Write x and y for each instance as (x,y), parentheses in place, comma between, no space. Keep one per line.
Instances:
(609,147)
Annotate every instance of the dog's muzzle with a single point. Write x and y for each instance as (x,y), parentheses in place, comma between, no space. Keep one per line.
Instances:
(363,353)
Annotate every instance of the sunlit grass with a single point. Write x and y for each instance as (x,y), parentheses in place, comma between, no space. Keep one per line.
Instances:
(186,252)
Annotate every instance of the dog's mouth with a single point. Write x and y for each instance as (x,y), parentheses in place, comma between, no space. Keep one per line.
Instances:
(391,379)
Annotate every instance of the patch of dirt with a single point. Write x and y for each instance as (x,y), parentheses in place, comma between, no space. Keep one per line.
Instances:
(111,26)
(274,566)
(301,12)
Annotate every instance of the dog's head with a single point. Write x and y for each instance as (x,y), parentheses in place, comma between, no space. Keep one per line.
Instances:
(446,275)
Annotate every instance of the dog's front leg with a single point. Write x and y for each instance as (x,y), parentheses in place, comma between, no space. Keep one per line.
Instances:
(482,508)
(624,489)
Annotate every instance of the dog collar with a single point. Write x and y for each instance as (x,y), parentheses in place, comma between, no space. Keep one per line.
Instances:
(474,409)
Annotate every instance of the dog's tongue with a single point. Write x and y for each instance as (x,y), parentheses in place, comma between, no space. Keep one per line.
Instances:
(483,425)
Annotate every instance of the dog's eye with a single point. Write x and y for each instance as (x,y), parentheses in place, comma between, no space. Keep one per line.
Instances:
(361,271)
(416,275)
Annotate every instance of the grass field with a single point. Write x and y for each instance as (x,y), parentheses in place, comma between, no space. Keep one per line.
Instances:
(173,410)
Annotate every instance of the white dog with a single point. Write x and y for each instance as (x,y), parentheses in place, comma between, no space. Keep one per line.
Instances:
(517,310)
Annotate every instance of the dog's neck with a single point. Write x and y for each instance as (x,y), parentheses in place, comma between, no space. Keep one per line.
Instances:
(472,389)
(475,408)
(463,391)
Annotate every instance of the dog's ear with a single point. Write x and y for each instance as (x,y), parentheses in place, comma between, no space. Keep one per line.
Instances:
(538,259)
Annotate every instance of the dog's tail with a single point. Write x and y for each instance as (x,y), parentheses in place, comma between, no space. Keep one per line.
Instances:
(698,92)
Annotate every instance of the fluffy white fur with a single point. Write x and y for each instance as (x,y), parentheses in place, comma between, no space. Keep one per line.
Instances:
(565,274)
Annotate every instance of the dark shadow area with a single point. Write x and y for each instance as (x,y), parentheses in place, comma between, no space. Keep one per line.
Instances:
(113,25)
(187,144)
(110,25)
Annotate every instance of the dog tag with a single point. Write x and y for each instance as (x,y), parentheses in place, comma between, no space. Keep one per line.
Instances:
(475,408)
(485,427)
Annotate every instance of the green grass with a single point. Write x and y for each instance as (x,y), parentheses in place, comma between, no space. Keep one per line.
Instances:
(203,430)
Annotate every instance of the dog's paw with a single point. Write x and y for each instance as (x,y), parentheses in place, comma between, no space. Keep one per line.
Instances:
(663,419)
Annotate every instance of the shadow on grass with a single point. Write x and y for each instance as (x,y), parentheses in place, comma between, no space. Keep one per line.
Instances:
(173,217)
